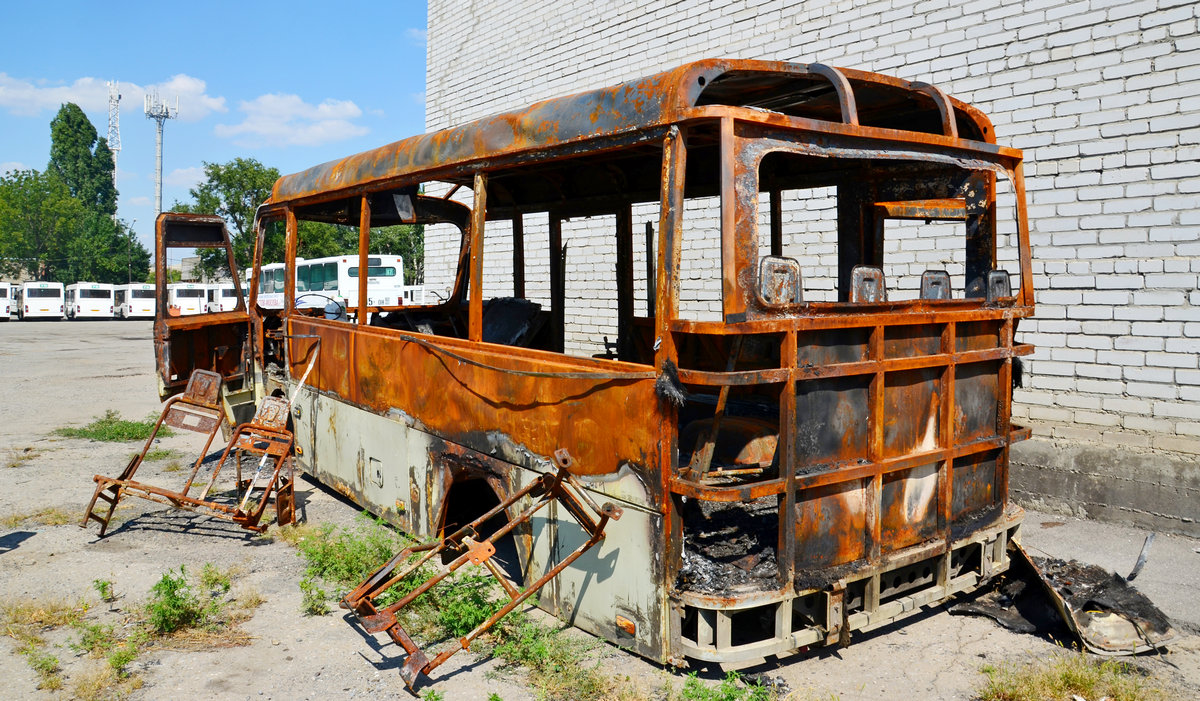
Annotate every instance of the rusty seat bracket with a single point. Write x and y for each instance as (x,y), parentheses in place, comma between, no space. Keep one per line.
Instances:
(547,488)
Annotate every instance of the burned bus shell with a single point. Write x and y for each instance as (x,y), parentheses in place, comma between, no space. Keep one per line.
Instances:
(791,471)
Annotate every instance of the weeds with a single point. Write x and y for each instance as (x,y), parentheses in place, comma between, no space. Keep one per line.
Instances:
(46,666)
(25,620)
(213,579)
(433,695)
(17,458)
(173,605)
(104,588)
(466,602)
(313,598)
(731,688)
(556,663)
(103,683)
(1064,675)
(49,516)
(121,658)
(112,428)
(158,454)
(94,639)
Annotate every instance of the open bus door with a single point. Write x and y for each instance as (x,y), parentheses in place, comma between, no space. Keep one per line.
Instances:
(219,342)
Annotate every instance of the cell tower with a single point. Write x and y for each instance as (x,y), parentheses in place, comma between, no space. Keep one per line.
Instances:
(114,124)
(160,112)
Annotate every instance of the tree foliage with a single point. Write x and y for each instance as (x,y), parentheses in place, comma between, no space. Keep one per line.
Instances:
(233,191)
(81,160)
(50,235)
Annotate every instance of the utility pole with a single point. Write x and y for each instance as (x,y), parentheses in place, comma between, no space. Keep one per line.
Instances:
(160,112)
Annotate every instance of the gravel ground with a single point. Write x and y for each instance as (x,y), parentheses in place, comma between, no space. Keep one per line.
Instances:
(66,374)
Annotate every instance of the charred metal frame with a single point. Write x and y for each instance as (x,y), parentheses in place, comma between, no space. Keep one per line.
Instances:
(888,476)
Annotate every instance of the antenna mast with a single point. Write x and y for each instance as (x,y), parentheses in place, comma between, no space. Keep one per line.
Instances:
(160,112)
(114,124)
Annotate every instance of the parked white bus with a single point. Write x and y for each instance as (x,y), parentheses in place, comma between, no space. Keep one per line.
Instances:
(186,298)
(134,301)
(40,300)
(8,300)
(222,297)
(320,280)
(89,300)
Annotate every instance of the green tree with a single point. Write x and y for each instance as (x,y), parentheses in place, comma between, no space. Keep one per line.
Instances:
(38,216)
(103,250)
(81,160)
(233,191)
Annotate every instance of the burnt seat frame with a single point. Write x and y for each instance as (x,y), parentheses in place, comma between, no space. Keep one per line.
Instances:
(266,437)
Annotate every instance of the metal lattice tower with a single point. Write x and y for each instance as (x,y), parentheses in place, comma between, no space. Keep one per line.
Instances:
(114,124)
(159,112)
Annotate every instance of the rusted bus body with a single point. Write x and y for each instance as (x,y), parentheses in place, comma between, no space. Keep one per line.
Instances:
(790,471)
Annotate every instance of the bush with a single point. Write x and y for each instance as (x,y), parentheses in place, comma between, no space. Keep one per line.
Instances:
(173,605)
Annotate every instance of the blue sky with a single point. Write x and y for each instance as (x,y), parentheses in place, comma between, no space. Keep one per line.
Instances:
(292,84)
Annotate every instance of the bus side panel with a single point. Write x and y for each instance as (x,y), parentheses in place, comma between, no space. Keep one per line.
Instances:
(610,427)
(620,576)
(376,461)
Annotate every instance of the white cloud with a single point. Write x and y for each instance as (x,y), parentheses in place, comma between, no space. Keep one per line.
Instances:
(139,201)
(26,98)
(416,36)
(286,120)
(418,98)
(184,177)
(8,166)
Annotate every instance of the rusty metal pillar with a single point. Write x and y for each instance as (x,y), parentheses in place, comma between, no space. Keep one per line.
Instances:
(364,243)
(478,216)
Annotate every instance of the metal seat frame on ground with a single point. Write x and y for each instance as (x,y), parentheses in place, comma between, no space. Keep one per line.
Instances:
(198,410)
(465,542)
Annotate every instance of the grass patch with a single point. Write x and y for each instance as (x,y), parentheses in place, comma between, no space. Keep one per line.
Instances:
(49,516)
(19,456)
(101,682)
(46,666)
(557,665)
(159,454)
(173,466)
(25,620)
(1063,675)
(112,428)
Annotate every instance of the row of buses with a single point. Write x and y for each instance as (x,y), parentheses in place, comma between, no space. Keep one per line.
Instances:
(325,280)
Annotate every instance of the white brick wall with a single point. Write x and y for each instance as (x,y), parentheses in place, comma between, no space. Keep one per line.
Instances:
(1102,95)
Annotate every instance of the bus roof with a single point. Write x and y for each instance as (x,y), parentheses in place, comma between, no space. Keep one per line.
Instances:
(828,99)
